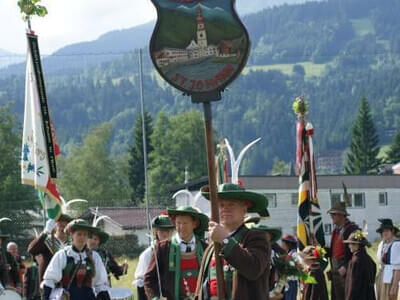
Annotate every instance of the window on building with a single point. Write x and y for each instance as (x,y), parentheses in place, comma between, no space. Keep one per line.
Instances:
(295,199)
(383,199)
(359,200)
(335,198)
(348,200)
(328,228)
(271,200)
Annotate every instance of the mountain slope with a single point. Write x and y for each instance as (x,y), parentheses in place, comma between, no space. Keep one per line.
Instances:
(9,58)
(353,43)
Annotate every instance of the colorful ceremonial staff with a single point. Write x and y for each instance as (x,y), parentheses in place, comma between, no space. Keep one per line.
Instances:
(309,221)
(200,47)
(39,143)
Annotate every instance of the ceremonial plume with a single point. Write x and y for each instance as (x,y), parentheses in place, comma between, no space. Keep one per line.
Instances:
(309,221)
(235,163)
(67,204)
(97,219)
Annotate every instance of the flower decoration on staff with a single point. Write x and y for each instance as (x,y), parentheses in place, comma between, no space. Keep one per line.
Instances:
(319,253)
(31,8)
(300,106)
(287,266)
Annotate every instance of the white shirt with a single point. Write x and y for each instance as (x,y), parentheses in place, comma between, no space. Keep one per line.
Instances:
(53,273)
(142,266)
(394,259)
(184,245)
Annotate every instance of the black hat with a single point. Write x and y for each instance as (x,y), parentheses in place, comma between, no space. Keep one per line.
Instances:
(3,235)
(386,224)
(64,218)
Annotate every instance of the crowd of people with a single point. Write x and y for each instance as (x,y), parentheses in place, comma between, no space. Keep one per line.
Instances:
(70,258)
(181,266)
(67,263)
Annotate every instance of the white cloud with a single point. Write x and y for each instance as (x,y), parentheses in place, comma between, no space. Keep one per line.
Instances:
(71,21)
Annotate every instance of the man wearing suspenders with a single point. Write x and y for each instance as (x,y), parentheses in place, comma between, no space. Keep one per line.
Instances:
(245,252)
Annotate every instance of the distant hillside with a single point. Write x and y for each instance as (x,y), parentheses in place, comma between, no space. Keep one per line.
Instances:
(9,58)
(333,51)
(113,44)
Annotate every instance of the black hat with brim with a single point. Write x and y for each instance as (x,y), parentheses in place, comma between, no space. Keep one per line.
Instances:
(79,224)
(103,236)
(387,224)
(64,218)
(230,191)
(195,213)
(4,236)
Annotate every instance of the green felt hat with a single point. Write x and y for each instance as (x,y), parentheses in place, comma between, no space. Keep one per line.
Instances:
(79,224)
(258,202)
(275,232)
(194,212)
(103,236)
(162,221)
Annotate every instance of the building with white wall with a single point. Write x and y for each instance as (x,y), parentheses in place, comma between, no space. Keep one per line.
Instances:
(372,197)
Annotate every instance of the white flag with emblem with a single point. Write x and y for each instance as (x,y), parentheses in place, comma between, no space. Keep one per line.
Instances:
(35,164)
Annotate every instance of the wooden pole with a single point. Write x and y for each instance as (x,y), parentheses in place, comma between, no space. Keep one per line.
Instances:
(213,192)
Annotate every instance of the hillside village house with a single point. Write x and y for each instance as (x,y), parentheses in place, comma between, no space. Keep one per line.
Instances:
(124,221)
(372,197)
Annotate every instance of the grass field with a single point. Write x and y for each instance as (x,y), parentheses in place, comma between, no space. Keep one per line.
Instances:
(310,68)
(363,26)
(126,281)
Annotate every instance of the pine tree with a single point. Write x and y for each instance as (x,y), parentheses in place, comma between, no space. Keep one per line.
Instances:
(364,149)
(393,154)
(136,165)
(178,143)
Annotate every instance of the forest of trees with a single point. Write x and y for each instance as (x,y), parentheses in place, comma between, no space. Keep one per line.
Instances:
(94,108)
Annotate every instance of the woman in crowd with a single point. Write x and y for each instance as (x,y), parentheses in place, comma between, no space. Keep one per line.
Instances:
(79,271)
(388,256)
(361,271)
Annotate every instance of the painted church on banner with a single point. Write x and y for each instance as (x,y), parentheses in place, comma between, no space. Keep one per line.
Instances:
(196,50)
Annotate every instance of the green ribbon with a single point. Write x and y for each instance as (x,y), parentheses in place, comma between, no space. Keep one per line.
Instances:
(174,262)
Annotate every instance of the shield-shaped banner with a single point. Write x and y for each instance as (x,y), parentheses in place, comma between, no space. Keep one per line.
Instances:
(199,46)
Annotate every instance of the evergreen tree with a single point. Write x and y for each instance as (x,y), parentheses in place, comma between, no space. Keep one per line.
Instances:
(136,165)
(88,172)
(178,143)
(364,149)
(15,198)
(393,155)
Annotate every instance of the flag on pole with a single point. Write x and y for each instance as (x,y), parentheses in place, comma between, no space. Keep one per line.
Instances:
(39,146)
(309,221)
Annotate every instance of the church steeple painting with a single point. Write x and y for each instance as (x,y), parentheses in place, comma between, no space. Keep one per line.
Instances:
(198,45)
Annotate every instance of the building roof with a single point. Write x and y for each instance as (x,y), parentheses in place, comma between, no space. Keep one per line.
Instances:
(124,217)
(292,182)
(324,182)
